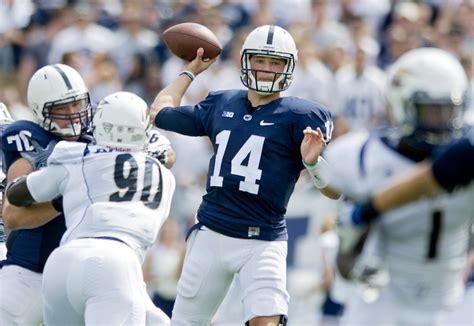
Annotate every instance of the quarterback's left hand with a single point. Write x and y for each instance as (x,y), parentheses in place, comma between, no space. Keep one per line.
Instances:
(312,145)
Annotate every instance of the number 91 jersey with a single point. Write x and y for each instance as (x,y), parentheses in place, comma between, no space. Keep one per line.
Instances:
(105,193)
(256,160)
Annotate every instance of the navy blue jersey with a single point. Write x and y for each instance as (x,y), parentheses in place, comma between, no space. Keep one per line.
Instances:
(29,248)
(454,167)
(2,186)
(256,160)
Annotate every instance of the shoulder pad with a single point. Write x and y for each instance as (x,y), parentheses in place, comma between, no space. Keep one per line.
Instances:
(67,152)
(17,136)
(302,106)
(470,135)
(228,94)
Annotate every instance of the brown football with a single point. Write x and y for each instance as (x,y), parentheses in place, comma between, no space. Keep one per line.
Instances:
(184,40)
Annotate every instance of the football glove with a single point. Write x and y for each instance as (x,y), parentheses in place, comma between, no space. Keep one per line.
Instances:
(38,157)
(161,155)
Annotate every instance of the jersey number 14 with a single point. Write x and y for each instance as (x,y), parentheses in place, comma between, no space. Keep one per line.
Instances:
(253,149)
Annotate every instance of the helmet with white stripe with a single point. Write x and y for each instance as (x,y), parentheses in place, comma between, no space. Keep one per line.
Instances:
(270,41)
(60,100)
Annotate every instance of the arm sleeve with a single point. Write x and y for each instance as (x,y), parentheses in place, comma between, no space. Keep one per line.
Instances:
(181,119)
(189,120)
(453,167)
(47,183)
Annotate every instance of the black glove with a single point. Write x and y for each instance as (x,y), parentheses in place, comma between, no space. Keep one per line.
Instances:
(38,157)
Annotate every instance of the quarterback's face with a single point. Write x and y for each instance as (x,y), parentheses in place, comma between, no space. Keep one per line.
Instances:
(268,68)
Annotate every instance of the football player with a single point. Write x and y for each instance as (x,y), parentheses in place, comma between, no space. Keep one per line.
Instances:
(59,99)
(159,146)
(423,246)
(116,197)
(448,171)
(256,136)
(5,119)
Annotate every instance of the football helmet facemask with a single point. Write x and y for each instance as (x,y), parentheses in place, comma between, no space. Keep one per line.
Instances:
(271,41)
(426,92)
(121,122)
(51,90)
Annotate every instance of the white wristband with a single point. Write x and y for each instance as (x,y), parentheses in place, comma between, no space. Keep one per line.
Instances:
(319,172)
(188,74)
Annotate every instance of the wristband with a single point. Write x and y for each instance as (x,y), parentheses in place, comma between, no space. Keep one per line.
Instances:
(58,203)
(319,171)
(188,74)
(367,212)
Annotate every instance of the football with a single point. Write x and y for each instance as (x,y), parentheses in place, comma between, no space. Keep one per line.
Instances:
(184,39)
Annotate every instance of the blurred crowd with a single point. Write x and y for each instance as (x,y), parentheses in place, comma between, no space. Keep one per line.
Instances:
(345,48)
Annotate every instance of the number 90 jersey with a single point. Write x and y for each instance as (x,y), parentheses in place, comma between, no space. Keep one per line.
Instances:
(105,193)
(256,160)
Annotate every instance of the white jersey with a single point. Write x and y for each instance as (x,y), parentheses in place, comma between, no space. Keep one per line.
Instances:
(106,194)
(424,244)
(156,141)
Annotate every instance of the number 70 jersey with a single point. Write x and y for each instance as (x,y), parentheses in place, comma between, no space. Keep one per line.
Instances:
(256,160)
(106,193)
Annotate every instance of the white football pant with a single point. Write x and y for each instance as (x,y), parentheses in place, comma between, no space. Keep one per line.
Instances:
(20,296)
(96,282)
(388,311)
(211,261)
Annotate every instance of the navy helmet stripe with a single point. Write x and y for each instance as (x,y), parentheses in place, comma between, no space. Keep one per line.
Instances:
(63,74)
(271,31)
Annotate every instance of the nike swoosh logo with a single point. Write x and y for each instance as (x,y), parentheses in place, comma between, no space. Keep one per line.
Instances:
(263,123)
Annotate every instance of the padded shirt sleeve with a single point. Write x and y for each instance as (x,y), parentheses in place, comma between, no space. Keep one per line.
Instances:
(47,183)
(189,120)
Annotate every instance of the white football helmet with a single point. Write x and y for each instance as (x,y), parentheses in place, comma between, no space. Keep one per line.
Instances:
(272,41)
(5,117)
(55,86)
(426,91)
(121,122)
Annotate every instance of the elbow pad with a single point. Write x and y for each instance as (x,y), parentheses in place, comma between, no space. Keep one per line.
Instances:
(18,193)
